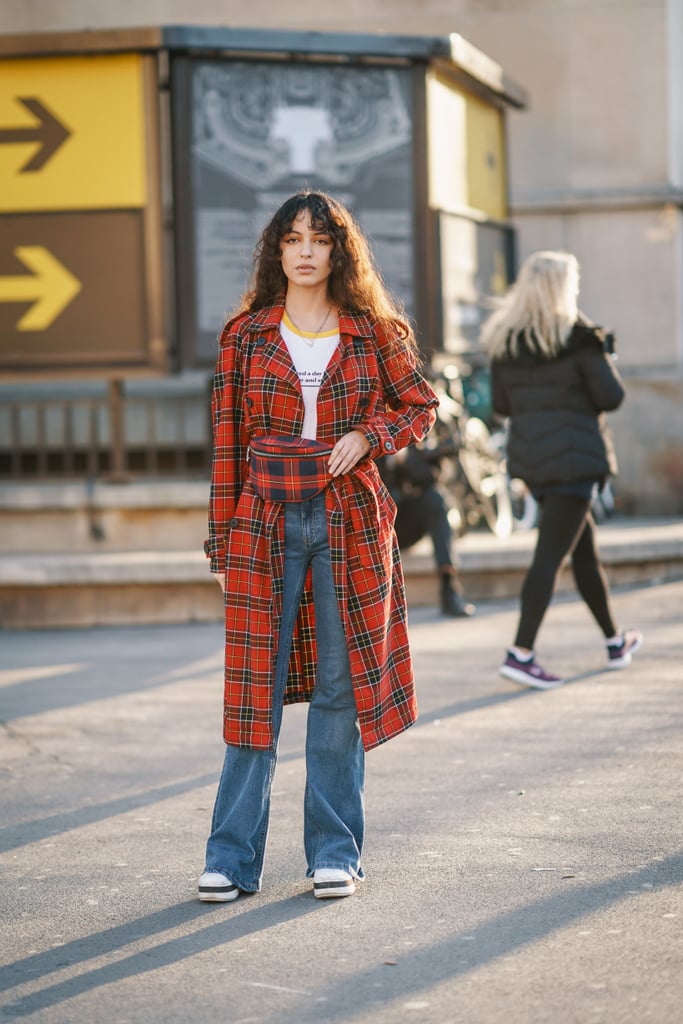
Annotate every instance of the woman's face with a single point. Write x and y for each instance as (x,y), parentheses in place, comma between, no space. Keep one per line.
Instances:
(306,253)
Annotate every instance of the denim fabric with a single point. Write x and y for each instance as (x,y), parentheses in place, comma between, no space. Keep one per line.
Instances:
(334,814)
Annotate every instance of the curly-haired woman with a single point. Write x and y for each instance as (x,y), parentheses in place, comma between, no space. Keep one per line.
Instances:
(320,367)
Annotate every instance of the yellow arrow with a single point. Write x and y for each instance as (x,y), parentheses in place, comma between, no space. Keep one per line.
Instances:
(50,286)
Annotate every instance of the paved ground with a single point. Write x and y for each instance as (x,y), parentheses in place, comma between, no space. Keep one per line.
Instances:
(523,851)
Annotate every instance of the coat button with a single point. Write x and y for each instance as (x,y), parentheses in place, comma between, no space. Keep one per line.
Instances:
(250,403)
(260,341)
(234,521)
(388,446)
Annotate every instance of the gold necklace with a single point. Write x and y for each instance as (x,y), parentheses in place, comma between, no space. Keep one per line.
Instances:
(309,341)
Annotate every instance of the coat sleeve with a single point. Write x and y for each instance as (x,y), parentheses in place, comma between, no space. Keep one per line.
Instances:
(406,413)
(230,444)
(601,379)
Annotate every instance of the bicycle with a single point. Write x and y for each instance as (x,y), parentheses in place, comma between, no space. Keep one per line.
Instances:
(473,468)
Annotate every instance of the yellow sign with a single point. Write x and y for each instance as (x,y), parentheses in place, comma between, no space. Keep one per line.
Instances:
(49,286)
(72,133)
(486,172)
(466,149)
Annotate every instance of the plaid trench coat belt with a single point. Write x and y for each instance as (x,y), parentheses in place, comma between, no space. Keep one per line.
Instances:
(370,385)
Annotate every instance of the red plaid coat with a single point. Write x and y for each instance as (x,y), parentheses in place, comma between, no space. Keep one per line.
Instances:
(368,386)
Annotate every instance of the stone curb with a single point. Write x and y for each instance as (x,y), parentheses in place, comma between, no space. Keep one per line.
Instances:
(623,543)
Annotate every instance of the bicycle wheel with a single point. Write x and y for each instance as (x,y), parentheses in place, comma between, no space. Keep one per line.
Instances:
(484,469)
(496,505)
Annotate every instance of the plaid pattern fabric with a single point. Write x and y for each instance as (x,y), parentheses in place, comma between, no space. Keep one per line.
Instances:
(371,386)
(288,468)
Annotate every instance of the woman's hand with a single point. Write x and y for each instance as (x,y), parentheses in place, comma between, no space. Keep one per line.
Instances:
(348,450)
(220,579)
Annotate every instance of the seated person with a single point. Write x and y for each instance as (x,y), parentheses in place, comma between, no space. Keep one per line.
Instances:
(412,478)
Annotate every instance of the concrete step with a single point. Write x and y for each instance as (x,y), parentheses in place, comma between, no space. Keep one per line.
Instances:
(632,550)
(45,589)
(93,517)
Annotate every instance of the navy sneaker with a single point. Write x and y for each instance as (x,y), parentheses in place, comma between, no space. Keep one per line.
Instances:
(619,651)
(528,673)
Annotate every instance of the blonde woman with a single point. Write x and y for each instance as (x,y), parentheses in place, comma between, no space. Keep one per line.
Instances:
(553,376)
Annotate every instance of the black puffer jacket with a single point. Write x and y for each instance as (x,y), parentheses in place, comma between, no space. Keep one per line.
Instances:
(558,430)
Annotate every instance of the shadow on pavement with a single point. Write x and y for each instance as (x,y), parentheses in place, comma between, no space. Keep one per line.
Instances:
(421,970)
(227,929)
(462,954)
(463,707)
(14,836)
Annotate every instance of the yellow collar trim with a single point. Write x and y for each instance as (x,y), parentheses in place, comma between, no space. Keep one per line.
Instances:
(307,334)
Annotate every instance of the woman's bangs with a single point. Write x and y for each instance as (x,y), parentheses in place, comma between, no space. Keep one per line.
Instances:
(321,217)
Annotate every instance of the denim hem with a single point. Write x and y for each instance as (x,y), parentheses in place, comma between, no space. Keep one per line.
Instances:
(356,873)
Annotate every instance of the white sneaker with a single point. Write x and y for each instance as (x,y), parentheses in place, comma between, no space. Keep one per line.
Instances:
(332,882)
(215,887)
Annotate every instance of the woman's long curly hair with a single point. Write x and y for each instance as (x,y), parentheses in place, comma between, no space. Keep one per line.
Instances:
(354,284)
(540,309)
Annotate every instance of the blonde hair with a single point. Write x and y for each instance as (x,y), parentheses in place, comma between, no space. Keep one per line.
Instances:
(539,310)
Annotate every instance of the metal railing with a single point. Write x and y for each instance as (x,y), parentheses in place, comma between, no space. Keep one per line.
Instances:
(115,436)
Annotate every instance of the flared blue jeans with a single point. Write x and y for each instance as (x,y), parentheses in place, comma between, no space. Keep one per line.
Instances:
(334,813)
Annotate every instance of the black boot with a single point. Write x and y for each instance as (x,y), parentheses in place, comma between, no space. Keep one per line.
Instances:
(452,601)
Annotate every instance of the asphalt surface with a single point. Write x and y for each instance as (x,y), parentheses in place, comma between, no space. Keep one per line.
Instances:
(523,849)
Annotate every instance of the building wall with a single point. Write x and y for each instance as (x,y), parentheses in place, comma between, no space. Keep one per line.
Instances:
(596,167)
(595,162)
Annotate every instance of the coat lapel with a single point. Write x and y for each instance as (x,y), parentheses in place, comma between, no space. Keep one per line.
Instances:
(350,329)
(266,325)
(267,342)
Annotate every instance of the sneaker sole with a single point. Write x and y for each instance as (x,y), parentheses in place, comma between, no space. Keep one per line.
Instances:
(219,895)
(524,680)
(333,890)
(625,661)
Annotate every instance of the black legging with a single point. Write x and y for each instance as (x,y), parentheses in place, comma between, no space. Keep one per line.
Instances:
(565,525)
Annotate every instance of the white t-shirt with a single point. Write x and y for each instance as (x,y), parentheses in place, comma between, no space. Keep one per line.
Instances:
(310,354)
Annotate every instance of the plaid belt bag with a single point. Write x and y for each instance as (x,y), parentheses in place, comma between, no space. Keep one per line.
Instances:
(288,468)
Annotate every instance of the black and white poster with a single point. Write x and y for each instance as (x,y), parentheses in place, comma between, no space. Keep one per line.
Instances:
(262,130)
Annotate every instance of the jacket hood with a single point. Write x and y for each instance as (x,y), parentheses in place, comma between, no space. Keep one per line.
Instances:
(586,334)
(583,334)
